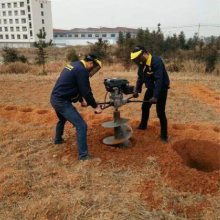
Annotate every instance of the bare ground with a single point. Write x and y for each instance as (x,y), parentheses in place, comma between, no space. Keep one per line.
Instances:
(150,180)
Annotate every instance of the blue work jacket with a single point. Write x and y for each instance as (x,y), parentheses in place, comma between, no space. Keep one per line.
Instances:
(74,83)
(154,76)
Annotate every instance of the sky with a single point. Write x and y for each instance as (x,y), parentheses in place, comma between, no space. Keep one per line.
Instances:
(190,16)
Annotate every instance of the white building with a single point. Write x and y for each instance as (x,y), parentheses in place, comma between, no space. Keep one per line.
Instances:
(21,21)
(81,36)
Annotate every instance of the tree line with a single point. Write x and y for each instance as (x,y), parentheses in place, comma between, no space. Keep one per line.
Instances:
(175,47)
(171,47)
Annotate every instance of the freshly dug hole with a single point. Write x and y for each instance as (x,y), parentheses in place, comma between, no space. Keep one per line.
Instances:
(201,155)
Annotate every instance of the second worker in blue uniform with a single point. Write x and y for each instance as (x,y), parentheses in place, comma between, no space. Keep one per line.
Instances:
(153,74)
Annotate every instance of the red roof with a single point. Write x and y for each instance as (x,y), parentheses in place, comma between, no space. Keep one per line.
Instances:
(59,31)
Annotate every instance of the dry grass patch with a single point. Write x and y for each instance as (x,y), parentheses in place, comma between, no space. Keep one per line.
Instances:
(17,68)
(55,67)
(189,67)
(193,66)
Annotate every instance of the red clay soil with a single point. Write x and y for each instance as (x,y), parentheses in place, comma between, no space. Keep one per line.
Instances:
(188,163)
(202,155)
(148,190)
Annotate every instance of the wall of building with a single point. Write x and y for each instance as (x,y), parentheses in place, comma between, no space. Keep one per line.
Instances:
(19,34)
(82,38)
(20,30)
(75,42)
(42,21)
(16,45)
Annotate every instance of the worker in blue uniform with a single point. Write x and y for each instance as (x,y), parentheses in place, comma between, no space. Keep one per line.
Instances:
(72,86)
(153,74)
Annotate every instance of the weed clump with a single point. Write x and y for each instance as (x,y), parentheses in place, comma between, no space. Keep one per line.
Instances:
(10,55)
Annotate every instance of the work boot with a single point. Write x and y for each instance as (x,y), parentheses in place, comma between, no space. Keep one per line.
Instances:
(60,142)
(164,139)
(87,157)
(141,127)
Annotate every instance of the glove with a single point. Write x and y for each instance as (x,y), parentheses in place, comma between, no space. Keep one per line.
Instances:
(135,94)
(153,100)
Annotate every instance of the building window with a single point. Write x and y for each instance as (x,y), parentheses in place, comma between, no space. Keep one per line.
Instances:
(29,16)
(16,13)
(31,33)
(42,13)
(21,4)
(69,35)
(5,21)
(11,29)
(10,13)
(96,35)
(89,35)
(16,21)
(1,36)
(11,21)
(17,28)
(15,5)
(0,28)
(3,5)
(42,21)
(30,25)
(112,35)
(4,13)
(0,21)
(6,29)
(41,5)
(83,35)
(25,36)
(104,35)
(23,20)
(24,29)
(55,36)
(9,5)
(7,36)
(12,36)
(23,12)
(28,1)
(29,9)
(18,36)
(76,35)
(43,29)
(61,35)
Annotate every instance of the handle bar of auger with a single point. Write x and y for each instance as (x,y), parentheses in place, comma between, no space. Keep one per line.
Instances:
(135,100)
(103,103)
(104,107)
(138,101)
(111,104)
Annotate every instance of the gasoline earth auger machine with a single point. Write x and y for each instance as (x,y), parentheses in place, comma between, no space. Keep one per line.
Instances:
(122,132)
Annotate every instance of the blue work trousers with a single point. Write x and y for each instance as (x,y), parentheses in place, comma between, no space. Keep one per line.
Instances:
(67,112)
